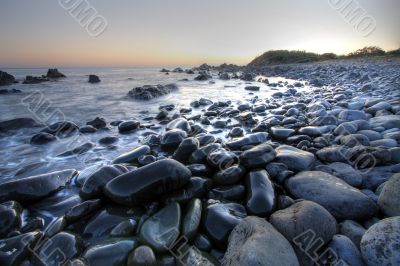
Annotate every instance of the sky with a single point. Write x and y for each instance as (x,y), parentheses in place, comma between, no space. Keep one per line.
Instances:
(45,33)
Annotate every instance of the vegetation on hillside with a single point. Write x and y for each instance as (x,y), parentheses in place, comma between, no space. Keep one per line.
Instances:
(275,57)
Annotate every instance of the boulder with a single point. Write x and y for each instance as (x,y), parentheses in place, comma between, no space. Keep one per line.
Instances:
(94,79)
(295,159)
(53,73)
(149,92)
(389,198)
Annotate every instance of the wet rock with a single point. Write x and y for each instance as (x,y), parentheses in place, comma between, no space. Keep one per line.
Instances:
(10,217)
(202,242)
(170,140)
(56,226)
(201,154)
(333,154)
(191,220)
(261,199)
(185,149)
(352,230)
(35,187)
(352,140)
(34,224)
(252,88)
(380,245)
(221,159)
(389,197)
(149,92)
(236,132)
(42,138)
(230,175)
(124,229)
(110,252)
(128,126)
(94,79)
(250,139)
(344,250)
(199,170)
(133,155)
(6,79)
(58,249)
(228,193)
(83,209)
(179,123)
(281,133)
(35,80)
(98,123)
(161,230)
(386,121)
(107,141)
(197,187)
(53,73)
(146,159)
(15,250)
(340,199)
(142,256)
(87,129)
(304,216)
(161,177)
(202,77)
(295,159)
(258,156)
(260,244)
(94,183)
(220,219)
(344,171)
(62,129)
(18,123)
(313,131)
(351,115)
(81,149)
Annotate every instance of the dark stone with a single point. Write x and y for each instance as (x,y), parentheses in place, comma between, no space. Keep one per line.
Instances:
(220,219)
(258,156)
(62,129)
(15,250)
(83,209)
(10,217)
(42,138)
(127,126)
(222,159)
(261,199)
(281,133)
(295,159)
(185,149)
(250,139)
(53,73)
(98,123)
(197,187)
(18,123)
(87,129)
(228,193)
(191,219)
(142,256)
(6,79)
(170,140)
(133,155)
(78,150)
(124,229)
(93,79)
(35,187)
(199,170)
(179,123)
(252,88)
(149,92)
(344,250)
(201,154)
(161,177)
(229,176)
(107,141)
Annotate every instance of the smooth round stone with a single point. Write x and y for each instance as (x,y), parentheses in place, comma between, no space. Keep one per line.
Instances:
(380,245)
(370,134)
(352,230)
(229,176)
(202,242)
(83,209)
(107,141)
(389,198)
(146,159)
(221,159)
(42,138)
(170,140)
(352,140)
(179,123)
(343,201)
(333,154)
(87,129)
(98,123)
(110,252)
(35,187)
(205,139)
(220,124)
(295,159)
(258,156)
(201,154)
(185,149)
(229,193)
(161,177)
(351,115)
(236,132)
(386,121)
(254,241)
(94,183)
(344,171)
(344,250)
(62,129)
(281,133)
(58,249)
(124,229)
(128,126)
(389,143)
(133,155)
(191,220)
(142,256)
(260,200)
(197,187)
(220,219)
(312,131)
(304,216)
(161,230)
(199,169)
(56,226)
(16,249)
(10,217)
(34,224)
(250,139)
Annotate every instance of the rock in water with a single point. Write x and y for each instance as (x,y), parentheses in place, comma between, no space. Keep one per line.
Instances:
(258,156)
(10,217)
(389,198)
(160,177)
(261,198)
(295,159)
(250,139)
(35,187)
(254,241)
(148,92)
(6,79)
(380,245)
(220,219)
(94,79)
(343,201)
(53,73)
(133,155)
(110,252)
(16,249)
(18,123)
(142,256)
(161,230)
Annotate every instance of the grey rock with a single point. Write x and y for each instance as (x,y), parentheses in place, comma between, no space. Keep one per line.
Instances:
(295,159)
(389,197)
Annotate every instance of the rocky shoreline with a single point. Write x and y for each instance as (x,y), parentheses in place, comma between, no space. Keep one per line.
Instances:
(305,177)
